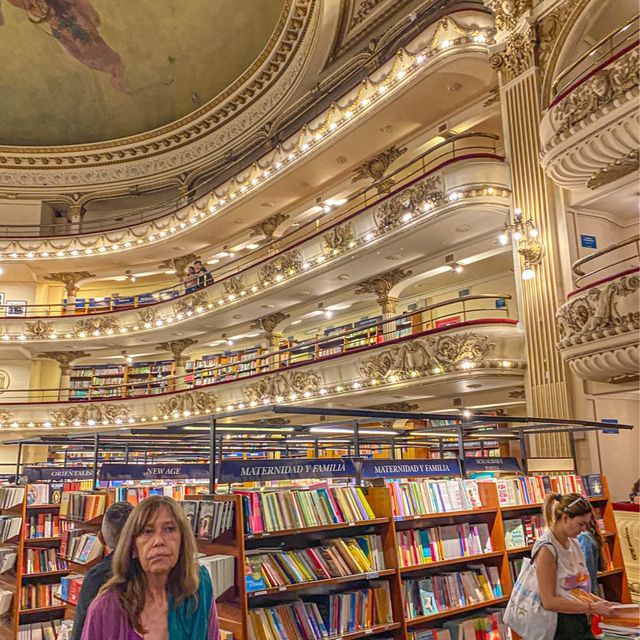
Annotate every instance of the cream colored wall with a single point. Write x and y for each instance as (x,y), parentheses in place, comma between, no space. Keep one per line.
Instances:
(29,455)
(18,283)
(605,228)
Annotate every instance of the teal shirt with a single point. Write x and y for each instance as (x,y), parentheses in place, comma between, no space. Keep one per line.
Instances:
(591,554)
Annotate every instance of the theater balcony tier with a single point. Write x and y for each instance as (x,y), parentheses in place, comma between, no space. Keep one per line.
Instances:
(467,189)
(590,132)
(485,353)
(400,89)
(599,324)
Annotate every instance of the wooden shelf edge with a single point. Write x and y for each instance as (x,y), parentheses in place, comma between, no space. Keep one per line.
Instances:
(451,561)
(412,622)
(43,574)
(299,586)
(444,514)
(41,609)
(327,527)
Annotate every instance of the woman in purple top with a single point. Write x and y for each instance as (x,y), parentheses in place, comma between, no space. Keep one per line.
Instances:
(157,591)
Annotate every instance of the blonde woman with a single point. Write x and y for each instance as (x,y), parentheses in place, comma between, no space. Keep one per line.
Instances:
(560,566)
(157,591)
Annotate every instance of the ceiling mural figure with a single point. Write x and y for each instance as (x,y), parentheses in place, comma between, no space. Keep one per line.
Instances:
(75,25)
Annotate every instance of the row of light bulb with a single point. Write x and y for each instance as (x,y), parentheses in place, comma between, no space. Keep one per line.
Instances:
(341,388)
(364,238)
(238,186)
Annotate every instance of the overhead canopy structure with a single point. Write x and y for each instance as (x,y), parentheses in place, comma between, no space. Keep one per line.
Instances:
(295,430)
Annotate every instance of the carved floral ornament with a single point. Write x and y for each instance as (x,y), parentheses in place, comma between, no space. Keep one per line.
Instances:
(90,414)
(428,356)
(402,68)
(101,325)
(600,312)
(187,404)
(616,83)
(279,387)
(276,270)
(339,239)
(508,12)
(195,303)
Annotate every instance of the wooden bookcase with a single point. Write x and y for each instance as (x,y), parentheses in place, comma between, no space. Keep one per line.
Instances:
(17,578)
(234,605)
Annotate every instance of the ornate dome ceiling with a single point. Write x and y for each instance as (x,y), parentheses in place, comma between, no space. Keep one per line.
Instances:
(82,71)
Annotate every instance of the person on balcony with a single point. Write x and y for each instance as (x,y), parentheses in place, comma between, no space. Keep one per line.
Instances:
(204,275)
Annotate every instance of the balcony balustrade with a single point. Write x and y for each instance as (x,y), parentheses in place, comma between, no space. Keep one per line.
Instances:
(589,133)
(465,171)
(599,323)
(462,338)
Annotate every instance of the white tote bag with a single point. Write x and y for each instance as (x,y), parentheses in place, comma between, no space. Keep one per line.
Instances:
(524,612)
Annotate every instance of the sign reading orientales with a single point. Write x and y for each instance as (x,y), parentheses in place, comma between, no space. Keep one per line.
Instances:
(257,470)
(510,465)
(117,471)
(53,474)
(378,468)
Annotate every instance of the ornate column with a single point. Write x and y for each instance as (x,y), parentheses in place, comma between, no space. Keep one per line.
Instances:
(381,285)
(70,281)
(176,348)
(76,211)
(520,91)
(64,360)
(272,337)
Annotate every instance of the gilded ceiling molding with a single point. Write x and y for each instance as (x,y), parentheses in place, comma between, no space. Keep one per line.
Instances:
(380,285)
(277,269)
(269,322)
(64,358)
(6,417)
(179,264)
(278,387)
(618,169)
(508,12)
(176,347)
(230,118)
(339,239)
(396,406)
(517,57)
(148,317)
(195,303)
(39,330)
(268,226)
(96,326)
(234,287)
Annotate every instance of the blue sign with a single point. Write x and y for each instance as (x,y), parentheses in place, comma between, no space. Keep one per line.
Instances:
(57,474)
(613,430)
(285,469)
(379,468)
(119,471)
(501,303)
(588,242)
(478,464)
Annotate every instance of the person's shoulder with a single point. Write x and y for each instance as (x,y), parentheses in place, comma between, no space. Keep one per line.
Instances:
(105,602)
(100,570)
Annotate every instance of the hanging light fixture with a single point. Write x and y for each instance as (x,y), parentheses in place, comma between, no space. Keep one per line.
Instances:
(525,234)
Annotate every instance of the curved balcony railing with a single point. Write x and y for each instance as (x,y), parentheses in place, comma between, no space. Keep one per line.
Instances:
(466,146)
(466,311)
(600,55)
(600,266)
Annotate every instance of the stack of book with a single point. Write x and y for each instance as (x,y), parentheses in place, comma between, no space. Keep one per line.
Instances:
(83,506)
(209,519)
(38,596)
(222,571)
(70,587)
(6,597)
(283,510)
(337,558)
(39,631)
(79,546)
(77,485)
(9,527)
(450,590)
(533,489)
(11,497)
(420,546)
(623,624)
(433,496)
(42,561)
(8,557)
(42,525)
(523,531)
(324,616)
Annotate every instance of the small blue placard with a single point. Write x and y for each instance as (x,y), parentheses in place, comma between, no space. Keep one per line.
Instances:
(613,430)
(501,303)
(588,242)
(53,474)
(378,468)
(489,463)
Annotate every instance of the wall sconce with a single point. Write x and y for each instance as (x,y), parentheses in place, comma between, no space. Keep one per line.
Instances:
(525,233)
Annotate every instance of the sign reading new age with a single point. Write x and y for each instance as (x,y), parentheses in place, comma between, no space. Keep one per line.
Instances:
(410,468)
(49,474)
(258,470)
(510,465)
(116,471)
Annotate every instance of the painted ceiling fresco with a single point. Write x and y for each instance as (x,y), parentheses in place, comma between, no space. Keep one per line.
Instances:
(81,71)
